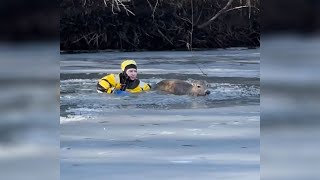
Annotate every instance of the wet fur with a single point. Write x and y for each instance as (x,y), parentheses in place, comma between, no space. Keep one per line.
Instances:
(179,87)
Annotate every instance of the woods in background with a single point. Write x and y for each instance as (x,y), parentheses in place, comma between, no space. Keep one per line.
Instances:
(131,25)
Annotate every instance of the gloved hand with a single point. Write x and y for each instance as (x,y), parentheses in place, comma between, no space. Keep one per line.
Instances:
(121,93)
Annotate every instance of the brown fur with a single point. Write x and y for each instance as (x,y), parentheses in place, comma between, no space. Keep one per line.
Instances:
(179,87)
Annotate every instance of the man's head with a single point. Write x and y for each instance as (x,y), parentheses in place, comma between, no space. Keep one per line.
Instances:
(129,68)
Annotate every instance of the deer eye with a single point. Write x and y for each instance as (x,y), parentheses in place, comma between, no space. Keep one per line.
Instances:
(198,86)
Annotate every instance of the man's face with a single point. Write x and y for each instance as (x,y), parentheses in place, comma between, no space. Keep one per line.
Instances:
(132,73)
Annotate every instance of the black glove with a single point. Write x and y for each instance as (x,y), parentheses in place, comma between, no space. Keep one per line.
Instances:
(124,85)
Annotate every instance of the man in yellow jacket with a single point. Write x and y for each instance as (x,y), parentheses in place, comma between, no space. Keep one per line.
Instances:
(126,81)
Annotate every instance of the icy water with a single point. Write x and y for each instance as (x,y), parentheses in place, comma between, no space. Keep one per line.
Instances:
(158,136)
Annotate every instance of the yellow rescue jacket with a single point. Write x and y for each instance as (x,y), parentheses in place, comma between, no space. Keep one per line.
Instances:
(111,82)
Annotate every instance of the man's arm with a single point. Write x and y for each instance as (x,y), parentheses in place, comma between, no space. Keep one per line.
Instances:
(104,86)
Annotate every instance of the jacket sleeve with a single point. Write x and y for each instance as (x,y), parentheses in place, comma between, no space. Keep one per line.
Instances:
(104,85)
(145,86)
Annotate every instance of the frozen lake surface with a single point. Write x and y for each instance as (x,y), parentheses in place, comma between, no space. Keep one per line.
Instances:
(158,136)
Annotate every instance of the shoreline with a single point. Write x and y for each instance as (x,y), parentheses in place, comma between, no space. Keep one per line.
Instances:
(147,50)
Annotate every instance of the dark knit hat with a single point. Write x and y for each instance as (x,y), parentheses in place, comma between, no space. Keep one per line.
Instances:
(130,66)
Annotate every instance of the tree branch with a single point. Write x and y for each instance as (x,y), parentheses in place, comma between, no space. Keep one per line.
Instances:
(217,15)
